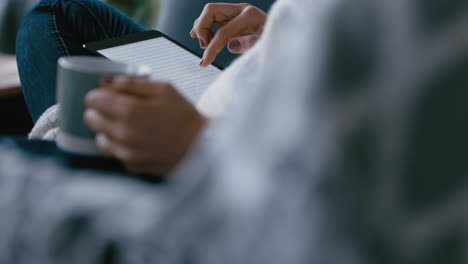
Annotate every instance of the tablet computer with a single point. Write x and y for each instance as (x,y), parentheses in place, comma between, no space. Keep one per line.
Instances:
(170,60)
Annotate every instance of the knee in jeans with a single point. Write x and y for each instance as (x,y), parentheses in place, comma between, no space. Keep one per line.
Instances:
(73,6)
(35,23)
(78,11)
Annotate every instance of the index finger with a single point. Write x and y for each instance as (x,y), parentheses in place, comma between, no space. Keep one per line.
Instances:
(231,30)
(212,14)
(109,103)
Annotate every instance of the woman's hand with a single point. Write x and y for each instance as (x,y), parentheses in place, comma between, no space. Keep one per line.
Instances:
(240,27)
(148,125)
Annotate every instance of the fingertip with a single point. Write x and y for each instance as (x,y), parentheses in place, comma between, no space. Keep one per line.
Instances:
(235,46)
(193,34)
(90,97)
(103,143)
(120,83)
(202,43)
(204,37)
(91,119)
(208,58)
(106,81)
(205,63)
(202,62)
(87,115)
(120,80)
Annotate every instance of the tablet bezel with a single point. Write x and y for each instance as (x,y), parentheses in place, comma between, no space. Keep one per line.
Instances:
(94,47)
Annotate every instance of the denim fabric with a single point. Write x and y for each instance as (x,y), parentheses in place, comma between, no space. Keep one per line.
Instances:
(56,28)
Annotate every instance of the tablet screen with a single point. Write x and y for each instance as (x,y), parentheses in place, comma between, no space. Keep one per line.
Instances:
(169,62)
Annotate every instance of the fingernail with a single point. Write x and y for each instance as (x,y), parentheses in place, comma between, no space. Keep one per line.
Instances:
(88,114)
(202,44)
(118,80)
(234,45)
(102,141)
(202,60)
(191,32)
(91,96)
(108,80)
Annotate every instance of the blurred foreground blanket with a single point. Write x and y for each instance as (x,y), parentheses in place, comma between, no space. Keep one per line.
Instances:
(349,145)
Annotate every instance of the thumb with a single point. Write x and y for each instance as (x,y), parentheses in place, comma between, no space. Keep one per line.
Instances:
(140,87)
(243,43)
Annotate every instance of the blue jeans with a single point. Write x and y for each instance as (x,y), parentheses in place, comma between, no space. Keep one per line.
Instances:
(56,28)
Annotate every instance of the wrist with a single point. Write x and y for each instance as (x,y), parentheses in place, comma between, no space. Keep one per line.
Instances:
(191,132)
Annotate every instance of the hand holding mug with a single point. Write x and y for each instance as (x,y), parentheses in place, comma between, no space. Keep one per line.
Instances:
(147,125)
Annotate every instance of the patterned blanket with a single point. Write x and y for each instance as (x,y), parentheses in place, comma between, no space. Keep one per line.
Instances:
(347,146)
